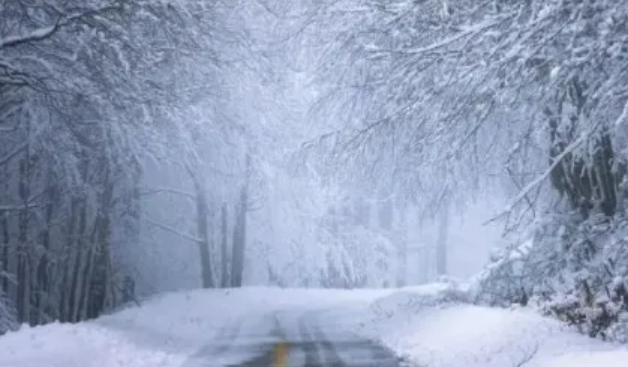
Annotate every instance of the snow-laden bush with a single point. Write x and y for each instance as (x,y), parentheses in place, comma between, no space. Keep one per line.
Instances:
(358,257)
(503,281)
(409,301)
(574,270)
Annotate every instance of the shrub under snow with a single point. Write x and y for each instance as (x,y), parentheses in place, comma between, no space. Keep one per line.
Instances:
(574,270)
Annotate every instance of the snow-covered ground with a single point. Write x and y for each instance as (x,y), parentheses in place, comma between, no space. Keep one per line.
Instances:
(428,326)
(424,324)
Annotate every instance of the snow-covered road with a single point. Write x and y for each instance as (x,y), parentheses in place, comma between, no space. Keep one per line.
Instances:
(426,326)
(306,339)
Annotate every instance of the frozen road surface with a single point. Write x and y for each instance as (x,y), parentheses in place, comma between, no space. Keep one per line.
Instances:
(293,339)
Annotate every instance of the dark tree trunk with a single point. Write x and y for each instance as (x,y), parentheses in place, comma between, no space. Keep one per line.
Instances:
(78,268)
(590,183)
(98,281)
(203,239)
(4,252)
(23,278)
(43,276)
(66,294)
(239,242)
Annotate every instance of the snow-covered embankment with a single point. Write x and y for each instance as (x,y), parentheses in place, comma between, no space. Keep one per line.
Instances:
(433,326)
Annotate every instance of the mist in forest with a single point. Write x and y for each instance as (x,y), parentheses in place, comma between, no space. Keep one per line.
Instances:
(156,146)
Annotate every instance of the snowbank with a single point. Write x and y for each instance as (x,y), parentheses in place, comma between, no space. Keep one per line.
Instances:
(431,327)
(595,359)
(82,345)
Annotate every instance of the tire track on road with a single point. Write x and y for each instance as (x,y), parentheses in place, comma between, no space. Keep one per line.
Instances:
(309,347)
(267,355)
(305,333)
(360,352)
(221,344)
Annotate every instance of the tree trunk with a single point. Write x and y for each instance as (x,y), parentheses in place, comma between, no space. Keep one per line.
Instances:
(441,246)
(239,231)
(589,182)
(80,246)
(87,275)
(202,228)
(4,253)
(239,242)
(202,231)
(23,273)
(43,276)
(203,243)
(99,280)
(402,247)
(224,263)
(66,294)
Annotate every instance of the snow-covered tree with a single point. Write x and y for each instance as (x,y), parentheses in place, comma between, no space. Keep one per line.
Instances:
(93,89)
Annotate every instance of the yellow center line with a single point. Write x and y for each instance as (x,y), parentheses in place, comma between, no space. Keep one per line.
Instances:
(281,354)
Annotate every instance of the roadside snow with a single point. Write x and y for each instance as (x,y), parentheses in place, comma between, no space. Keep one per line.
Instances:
(83,345)
(429,326)
(604,359)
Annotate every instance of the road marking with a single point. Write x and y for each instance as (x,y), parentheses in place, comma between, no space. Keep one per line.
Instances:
(281,354)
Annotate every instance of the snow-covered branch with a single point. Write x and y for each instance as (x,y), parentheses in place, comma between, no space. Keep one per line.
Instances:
(12,154)
(168,190)
(48,31)
(173,230)
(558,160)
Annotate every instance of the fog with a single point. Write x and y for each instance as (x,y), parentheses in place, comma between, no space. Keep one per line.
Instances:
(158,146)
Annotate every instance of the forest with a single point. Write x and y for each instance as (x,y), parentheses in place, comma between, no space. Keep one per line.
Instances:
(150,146)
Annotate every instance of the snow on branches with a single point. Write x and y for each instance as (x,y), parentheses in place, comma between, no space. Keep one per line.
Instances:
(457,87)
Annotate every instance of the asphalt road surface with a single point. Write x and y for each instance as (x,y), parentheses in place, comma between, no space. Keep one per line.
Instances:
(290,339)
